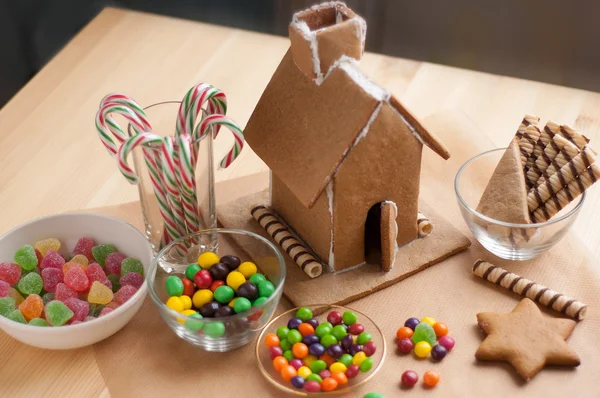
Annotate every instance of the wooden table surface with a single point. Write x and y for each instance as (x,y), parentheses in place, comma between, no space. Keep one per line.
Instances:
(51,160)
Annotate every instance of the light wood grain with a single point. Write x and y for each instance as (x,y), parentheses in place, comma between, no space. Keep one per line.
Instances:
(51,160)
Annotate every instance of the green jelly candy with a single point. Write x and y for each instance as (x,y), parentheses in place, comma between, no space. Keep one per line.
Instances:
(257,278)
(259,301)
(214,329)
(304,313)
(48,297)
(15,315)
(7,305)
(191,271)
(285,345)
(100,252)
(26,257)
(366,365)
(57,313)
(30,284)
(339,332)
(349,318)
(95,310)
(116,282)
(294,336)
(132,265)
(363,338)
(328,340)
(318,366)
(424,332)
(323,329)
(173,284)
(314,377)
(241,304)
(346,359)
(193,324)
(265,288)
(282,332)
(224,294)
(289,355)
(38,322)
(374,395)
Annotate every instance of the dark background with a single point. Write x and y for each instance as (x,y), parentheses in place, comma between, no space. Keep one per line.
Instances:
(555,41)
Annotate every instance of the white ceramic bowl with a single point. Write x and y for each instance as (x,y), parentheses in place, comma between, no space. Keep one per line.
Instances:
(68,228)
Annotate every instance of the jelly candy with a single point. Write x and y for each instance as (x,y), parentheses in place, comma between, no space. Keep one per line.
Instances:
(100,252)
(30,284)
(113,304)
(80,308)
(95,272)
(26,258)
(15,315)
(4,288)
(14,293)
(57,313)
(38,322)
(95,310)
(84,246)
(100,294)
(125,293)
(7,305)
(114,280)
(39,256)
(105,311)
(70,265)
(63,292)
(113,262)
(131,265)
(46,244)
(76,279)
(32,307)
(10,273)
(424,332)
(80,259)
(48,297)
(52,260)
(133,279)
(51,277)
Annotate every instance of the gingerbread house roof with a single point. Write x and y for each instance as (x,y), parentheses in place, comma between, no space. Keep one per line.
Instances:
(318,104)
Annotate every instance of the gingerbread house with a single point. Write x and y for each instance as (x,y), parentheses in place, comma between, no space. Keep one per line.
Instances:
(344,153)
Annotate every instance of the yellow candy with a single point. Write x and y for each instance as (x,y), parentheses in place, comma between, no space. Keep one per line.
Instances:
(80,259)
(14,293)
(175,303)
(235,279)
(358,358)
(304,371)
(429,320)
(309,359)
(232,302)
(187,302)
(207,260)
(100,294)
(422,349)
(247,269)
(47,244)
(338,367)
(202,297)
(186,313)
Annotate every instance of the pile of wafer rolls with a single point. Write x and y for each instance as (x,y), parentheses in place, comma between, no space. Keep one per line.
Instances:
(558,164)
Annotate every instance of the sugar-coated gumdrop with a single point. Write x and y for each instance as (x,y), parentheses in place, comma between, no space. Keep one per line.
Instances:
(14,293)
(113,304)
(95,310)
(131,265)
(84,246)
(76,279)
(133,279)
(80,308)
(32,307)
(10,273)
(48,297)
(57,313)
(100,294)
(47,244)
(39,256)
(105,311)
(52,260)
(89,318)
(51,277)
(16,316)
(7,305)
(114,280)
(100,252)
(80,259)
(30,284)
(95,272)
(113,262)
(26,258)
(4,288)
(68,266)
(38,322)
(63,292)
(125,293)
(424,332)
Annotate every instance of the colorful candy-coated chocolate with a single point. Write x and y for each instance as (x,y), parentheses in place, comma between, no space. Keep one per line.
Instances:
(219,271)
(293,323)
(409,378)
(214,329)
(194,324)
(232,262)
(304,314)
(447,342)
(209,309)
(235,279)
(191,271)
(297,381)
(422,349)
(304,371)
(248,290)
(356,329)
(259,301)
(174,286)
(369,348)
(188,287)
(175,303)
(265,288)
(223,311)
(257,278)
(412,323)
(438,352)
(224,294)
(431,378)
(202,279)
(202,297)
(247,268)
(404,333)
(352,371)
(207,260)
(312,386)
(338,367)
(429,320)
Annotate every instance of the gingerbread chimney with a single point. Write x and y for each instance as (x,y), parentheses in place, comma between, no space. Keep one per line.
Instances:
(322,35)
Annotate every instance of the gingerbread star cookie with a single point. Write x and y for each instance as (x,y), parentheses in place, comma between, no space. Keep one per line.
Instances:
(526,339)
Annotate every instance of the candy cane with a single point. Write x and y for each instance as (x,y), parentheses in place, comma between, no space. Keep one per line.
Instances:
(238,135)
(103,122)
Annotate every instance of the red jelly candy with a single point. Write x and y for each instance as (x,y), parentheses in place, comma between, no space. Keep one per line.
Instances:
(135,279)
(52,260)
(80,308)
(113,262)
(105,310)
(114,305)
(51,278)
(4,288)
(124,293)
(352,371)
(63,292)
(95,272)
(84,246)
(76,279)
(39,256)
(10,273)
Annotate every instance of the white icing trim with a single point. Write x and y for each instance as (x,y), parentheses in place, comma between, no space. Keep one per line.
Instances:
(329,190)
(369,87)
(363,133)
(311,37)
(270,186)
(410,127)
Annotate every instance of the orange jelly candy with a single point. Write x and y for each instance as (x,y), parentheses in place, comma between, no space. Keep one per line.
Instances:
(70,265)
(32,307)
(340,377)
(431,378)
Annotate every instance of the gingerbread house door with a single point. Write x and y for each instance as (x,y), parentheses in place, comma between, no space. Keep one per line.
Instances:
(380,235)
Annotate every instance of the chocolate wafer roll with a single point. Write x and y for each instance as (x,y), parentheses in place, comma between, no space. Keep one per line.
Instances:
(424,225)
(548,132)
(556,154)
(292,246)
(547,188)
(527,120)
(567,194)
(527,141)
(534,291)
(576,138)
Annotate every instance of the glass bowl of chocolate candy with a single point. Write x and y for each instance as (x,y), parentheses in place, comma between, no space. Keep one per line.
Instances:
(512,241)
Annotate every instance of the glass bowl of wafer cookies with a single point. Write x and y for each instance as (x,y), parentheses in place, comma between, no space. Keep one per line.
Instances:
(521,200)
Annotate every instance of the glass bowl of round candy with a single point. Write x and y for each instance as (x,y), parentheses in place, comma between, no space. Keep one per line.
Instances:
(320,349)
(71,280)
(210,293)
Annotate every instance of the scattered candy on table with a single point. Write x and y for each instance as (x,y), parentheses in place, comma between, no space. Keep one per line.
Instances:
(44,287)
(409,378)
(321,356)
(431,378)
(425,337)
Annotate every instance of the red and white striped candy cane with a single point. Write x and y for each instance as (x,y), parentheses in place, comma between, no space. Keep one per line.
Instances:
(221,120)
(171,183)
(107,126)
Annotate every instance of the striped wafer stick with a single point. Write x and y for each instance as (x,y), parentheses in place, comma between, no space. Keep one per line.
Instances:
(556,154)
(547,133)
(281,234)
(424,225)
(578,139)
(567,194)
(527,120)
(527,141)
(549,187)
(534,291)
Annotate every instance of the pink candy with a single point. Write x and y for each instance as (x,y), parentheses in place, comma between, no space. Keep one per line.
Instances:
(113,262)
(124,294)
(84,246)
(105,310)
(4,287)
(64,292)
(95,272)
(10,273)
(52,260)
(51,277)
(80,308)
(133,279)
(76,279)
